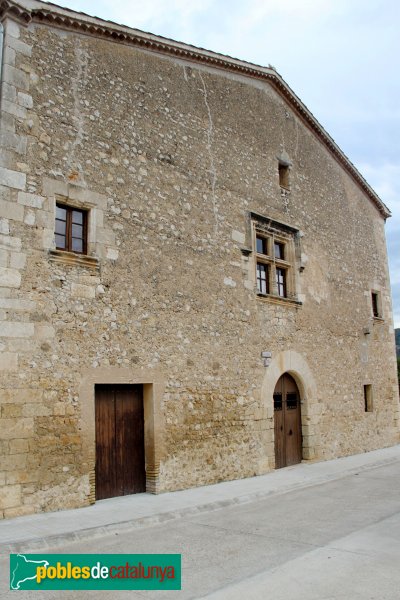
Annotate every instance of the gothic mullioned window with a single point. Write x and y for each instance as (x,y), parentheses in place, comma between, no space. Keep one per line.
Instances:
(275,257)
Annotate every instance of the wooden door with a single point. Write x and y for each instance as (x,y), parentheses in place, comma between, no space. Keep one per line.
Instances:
(120,464)
(287,420)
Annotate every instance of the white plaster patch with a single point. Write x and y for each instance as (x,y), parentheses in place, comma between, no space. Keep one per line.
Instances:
(230,282)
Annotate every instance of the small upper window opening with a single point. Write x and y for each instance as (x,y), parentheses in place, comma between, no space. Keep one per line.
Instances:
(376,305)
(279,251)
(71,229)
(261,245)
(368,402)
(283,175)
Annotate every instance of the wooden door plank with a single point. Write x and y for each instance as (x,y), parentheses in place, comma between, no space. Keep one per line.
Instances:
(105,442)
(131,474)
(292,428)
(279,426)
(279,433)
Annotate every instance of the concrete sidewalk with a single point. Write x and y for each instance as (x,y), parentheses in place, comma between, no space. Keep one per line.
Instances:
(49,530)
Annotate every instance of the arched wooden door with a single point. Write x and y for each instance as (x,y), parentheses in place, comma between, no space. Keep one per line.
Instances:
(287,417)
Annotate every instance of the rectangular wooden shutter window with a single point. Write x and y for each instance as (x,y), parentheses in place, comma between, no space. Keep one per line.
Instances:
(71,229)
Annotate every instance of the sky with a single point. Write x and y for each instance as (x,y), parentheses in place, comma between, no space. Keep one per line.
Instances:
(341,57)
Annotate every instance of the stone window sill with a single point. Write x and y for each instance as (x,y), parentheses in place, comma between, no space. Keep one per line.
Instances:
(72,259)
(278,300)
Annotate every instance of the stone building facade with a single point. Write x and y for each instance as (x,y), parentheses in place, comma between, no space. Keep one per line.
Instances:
(187,260)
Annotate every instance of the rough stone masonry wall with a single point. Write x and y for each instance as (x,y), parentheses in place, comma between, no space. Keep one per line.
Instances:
(169,157)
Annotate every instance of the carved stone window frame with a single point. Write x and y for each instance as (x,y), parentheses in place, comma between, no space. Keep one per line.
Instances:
(101,239)
(274,232)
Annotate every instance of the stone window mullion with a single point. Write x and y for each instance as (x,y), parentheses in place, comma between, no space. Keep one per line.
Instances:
(273,284)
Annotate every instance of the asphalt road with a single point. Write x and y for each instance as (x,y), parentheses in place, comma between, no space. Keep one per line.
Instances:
(335,541)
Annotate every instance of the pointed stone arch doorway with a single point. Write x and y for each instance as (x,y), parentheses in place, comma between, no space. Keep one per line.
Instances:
(287,422)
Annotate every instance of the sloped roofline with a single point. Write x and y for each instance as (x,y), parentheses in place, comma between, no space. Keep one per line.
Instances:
(27,11)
